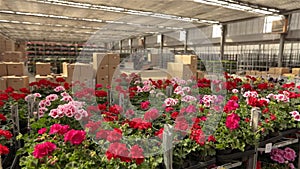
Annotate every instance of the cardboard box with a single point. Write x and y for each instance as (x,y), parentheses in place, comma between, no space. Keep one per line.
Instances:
(104,80)
(3,83)
(78,72)
(114,59)
(296,71)
(282,70)
(175,67)
(103,70)
(42,69)
(200,74)
(272,70)
(100,59)
(186,59)
(9,45)
(12,56)
(111,70)
(3,69)
(15,68)
(289,75)
(17,82)
(48,77)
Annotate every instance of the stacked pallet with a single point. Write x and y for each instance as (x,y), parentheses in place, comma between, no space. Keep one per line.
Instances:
(12,68)
(105,66)
(77,72)
(185,66)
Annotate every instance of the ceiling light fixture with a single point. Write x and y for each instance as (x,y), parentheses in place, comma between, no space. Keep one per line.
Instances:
(230,4)
(122,10)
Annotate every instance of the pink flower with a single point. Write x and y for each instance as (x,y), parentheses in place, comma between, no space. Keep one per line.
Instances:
(42,130)
(136,153)
(115,135)
(145,105)
(171,102)
(43,149)
(232,121)
(289,154)
(55,113)
(52,97)
(235,91)
(190,109)
(59,88)
(75,137)
(151,115)
(231,106)
(58,128)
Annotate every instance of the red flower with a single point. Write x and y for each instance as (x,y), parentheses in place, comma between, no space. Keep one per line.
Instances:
(247,120)
(4,96)
(66,86)
(101,93)
(181,124)
(9,90)
(102,106)
(102,134)
(211,138)
(235,98)
(7,134)
(17,96)
(136,153)
(145,105)
(262,86)
(60,80)
(159,133)
(232,121)
(151,115)
(115,109)
(273,117)
(118,150)
(2,117)
(75,137)
(58,128)
(93,126)
(140,124)
(24,90)
(174,115)
(115,135)
(199,136)
(247,86)
(43,149)
(3,150)
(169,109)
(266,110)
(99,86)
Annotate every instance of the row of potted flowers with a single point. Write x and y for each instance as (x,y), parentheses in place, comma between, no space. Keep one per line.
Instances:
(123,125)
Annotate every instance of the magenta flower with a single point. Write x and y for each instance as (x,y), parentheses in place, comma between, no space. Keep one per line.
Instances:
(42,130)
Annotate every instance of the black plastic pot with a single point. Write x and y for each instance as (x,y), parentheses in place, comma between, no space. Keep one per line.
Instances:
(233,156)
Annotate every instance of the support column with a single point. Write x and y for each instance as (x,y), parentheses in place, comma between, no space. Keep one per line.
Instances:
(120,46)
(185,42)
(130,45)
(281,43)
(223,40)
(281,49)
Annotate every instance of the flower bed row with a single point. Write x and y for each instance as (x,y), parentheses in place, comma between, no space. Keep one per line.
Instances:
(122,126)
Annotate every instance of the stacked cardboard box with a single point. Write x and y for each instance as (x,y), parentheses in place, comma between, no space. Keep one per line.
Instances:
(81,72)
(296,71)
(21,47)
(185,66)
(278,71)
(48,77)
(42,69)
(11,56)
(12,75)
(105,65)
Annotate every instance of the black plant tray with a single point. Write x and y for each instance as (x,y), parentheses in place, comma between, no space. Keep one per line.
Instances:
(203,164)
(288,132)
(233,156)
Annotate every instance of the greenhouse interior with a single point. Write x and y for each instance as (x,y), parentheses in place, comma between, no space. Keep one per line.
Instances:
(158,84)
